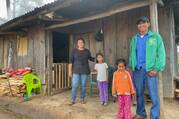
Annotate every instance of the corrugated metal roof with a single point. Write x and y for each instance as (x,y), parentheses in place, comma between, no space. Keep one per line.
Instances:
(33,12)
(37,10)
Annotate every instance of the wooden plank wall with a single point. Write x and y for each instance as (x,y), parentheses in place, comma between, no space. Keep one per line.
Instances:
(35,52)
(166,28)
(87,31)
(118,30)
(1,52)
(5,42)
(110,39)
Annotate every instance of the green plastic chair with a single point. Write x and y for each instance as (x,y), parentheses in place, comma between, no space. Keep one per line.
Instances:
(33,83)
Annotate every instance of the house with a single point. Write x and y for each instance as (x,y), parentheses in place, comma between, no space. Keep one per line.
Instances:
(44,37)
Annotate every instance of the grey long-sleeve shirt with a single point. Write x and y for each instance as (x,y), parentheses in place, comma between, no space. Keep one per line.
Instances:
(79,60)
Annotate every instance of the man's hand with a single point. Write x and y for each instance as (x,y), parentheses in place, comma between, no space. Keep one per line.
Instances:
(152,73)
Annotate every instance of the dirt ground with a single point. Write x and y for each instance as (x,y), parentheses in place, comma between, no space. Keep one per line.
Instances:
(58,107)
(6,114)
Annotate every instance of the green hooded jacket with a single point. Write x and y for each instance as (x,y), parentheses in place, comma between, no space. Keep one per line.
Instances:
(155,52)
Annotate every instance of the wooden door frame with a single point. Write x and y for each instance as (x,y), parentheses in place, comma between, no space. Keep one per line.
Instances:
(48,61)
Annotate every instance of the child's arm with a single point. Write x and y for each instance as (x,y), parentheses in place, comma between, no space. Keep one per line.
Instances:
(114,85)
(131,84)
(107,75)
(106,72)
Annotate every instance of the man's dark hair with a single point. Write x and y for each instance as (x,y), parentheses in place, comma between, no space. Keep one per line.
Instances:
(118,61)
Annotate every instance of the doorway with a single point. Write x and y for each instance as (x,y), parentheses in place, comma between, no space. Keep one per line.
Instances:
(60,47)
(60,78)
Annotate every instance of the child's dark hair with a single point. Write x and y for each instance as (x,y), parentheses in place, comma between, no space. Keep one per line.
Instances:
(98,54)
(118,61)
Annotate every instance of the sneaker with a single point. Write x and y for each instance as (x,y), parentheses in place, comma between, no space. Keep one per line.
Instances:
(134,103)
(138,117)
(72,103)
(105,104)
(82,101)
(102,103)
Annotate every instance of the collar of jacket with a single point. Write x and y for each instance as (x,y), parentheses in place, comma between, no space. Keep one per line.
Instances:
(149,32)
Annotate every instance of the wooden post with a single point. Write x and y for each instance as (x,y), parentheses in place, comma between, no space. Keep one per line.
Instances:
(154,15)
(154,26)
(49,61)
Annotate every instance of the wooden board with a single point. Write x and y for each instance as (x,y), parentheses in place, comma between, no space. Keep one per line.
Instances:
(1,52)
(167,32)
(110,39)
(13,86)
(38,54)
(49,61)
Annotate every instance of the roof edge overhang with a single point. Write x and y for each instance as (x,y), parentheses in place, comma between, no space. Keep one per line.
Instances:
(36,13)
(125,6)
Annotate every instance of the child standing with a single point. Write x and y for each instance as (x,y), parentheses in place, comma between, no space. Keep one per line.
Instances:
(123,88)
(102,77)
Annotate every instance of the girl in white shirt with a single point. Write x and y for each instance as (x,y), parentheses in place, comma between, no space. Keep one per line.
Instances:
(102,77)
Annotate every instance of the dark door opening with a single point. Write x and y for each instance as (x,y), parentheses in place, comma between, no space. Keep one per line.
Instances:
(60,47)
(60,80)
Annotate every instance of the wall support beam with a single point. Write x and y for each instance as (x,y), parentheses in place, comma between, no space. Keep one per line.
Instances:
(155,28)
(117,9)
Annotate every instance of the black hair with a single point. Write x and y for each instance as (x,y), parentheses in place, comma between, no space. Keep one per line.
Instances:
(80,39)
(98,54)
(118,61)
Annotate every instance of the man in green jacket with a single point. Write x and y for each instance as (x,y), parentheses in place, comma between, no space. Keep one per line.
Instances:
(147,57)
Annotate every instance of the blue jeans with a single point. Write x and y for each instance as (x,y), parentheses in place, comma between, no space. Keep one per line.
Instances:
(142,79)
(76,80)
